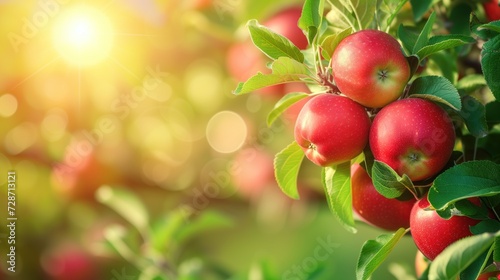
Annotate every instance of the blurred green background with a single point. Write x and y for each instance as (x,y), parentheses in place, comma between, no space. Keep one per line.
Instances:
(136,95)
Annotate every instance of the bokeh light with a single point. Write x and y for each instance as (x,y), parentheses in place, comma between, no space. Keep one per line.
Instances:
(8,105)
(226,132)
(83,35)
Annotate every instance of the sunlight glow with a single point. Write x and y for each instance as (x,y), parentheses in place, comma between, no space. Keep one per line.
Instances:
(83,36)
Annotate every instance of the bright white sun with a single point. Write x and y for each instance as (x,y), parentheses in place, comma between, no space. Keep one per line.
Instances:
(83,35)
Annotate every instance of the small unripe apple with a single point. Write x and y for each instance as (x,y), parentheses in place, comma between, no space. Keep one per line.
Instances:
(413,136)
(374,208)
(332,129)
(370,68)
(431,233)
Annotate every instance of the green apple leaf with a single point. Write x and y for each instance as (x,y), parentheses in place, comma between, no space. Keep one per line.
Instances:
(459,255)
(474,115)
(492,113)
(496,246)
(357,14)
(363,11)
(408,37)
(437,89)
(468,179)
(165,229)
(207,220)
(488,225)
(331,42)
(443,42)
(420,8)
(284,103)
(460,16)
(286,169)
(439,64)
(337,184)
(493,26)
(284,70)
(471,83)
(388,183)
(374,252)
(127,205)
(477,266)
(273,44)
(310,20)
(475,25)
(490,55)
(423,37)
(386,12)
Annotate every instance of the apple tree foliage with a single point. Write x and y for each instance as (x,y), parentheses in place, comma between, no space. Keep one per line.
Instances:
(436,38)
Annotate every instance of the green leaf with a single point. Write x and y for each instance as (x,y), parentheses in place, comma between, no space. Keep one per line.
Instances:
(208,220)
(459,255)
(423,37)
(310,20)
(164,230)
(475,26)
(357,14)
(408,37)
(443,64)
(474,115)
(468,179)
(420,8)
(493,26)
(388,183)
(374,252)
(337,184)
(363,11)
(488,225)
(273,44)
(490,55)
(286,169)
(496,252)
(477,266)
(284,103)
(437,89)
(386,12)
(493,113)
(471,83)
(284,70)
(331,42)
(443,42)
(127,205)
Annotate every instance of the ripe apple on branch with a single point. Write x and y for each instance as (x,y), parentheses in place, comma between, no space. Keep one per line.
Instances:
(386,136)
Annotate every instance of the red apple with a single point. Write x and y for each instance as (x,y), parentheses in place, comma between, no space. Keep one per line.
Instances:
(374,208)
(413,136)
(253,172)
(492,10)
(489,275)
(69,262)
(332,129)
(431,233)
(369,67)
(80,173)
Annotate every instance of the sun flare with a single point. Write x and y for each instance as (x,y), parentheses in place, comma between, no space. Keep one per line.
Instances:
(83,36)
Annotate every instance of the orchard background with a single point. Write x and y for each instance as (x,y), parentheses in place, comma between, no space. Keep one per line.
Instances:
(137,155)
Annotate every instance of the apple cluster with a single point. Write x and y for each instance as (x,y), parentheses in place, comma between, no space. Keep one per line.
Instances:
(368,111)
